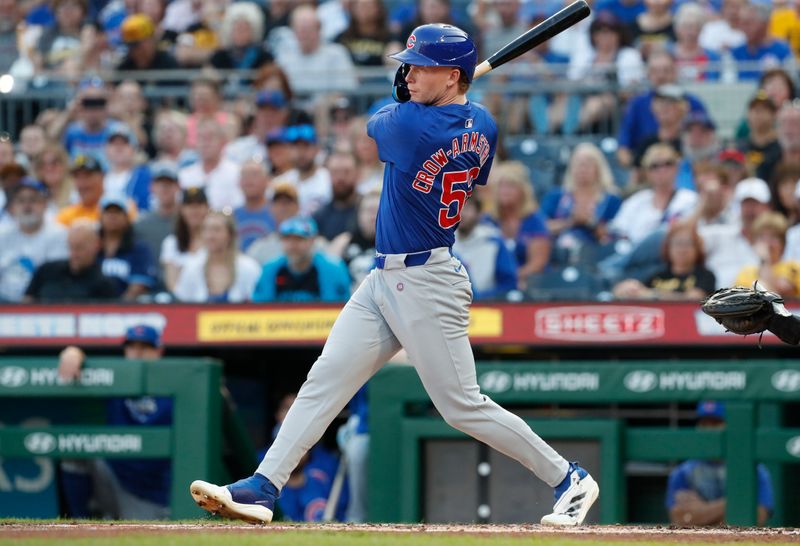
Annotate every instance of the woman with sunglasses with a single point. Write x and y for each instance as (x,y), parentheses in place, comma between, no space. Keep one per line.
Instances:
(660,203)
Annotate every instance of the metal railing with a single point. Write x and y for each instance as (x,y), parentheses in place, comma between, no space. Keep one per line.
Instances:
(22,101)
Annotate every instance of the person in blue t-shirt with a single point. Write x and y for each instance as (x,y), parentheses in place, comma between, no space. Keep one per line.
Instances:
(253,219)
(121,488)
(302,273)
(90,131)
(122,257)
(696,489)
(639,121)
(760,50)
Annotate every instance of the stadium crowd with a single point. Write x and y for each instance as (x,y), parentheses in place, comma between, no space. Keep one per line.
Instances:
(270,193)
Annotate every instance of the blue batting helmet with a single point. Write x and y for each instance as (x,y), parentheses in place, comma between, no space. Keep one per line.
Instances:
(440,45)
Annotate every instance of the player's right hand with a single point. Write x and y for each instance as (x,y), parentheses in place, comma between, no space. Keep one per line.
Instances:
(400,88)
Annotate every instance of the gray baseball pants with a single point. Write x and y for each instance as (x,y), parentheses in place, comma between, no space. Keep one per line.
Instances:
(425,310)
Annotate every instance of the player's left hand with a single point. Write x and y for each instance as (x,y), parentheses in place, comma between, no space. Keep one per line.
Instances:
(746,311)
(400,88)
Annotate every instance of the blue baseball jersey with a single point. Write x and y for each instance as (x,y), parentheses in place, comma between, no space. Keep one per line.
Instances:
(434,156)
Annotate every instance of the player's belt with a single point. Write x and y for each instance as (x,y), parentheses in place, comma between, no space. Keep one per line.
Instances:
(410,260)
(391,261)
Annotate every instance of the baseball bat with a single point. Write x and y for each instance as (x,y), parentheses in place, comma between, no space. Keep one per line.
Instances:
(336,490)
(539,34)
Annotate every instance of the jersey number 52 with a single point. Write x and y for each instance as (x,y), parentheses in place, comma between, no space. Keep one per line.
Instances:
(452,195)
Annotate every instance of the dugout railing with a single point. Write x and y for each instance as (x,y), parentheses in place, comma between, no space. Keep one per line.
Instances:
(401,421)
(193,442)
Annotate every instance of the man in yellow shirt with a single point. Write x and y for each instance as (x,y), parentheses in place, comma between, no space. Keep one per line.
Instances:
(784,24)
(88,174)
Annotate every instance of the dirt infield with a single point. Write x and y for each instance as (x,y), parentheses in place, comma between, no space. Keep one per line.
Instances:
(590,533)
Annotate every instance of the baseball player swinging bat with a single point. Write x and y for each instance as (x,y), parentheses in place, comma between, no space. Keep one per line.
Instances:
(437,146)
(561,21)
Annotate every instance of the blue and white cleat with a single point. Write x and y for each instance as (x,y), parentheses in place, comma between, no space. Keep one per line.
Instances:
(251,499)
(574,496)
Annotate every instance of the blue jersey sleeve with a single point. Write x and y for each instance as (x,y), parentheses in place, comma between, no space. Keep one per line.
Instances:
(393,128)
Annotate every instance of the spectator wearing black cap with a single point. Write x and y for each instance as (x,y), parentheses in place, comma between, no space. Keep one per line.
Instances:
(125,175)
(30,242)
(87,173)
(762,139)
(154,226)
(283,205)
(122,257)
(77,278)
(185,243)
(121,488)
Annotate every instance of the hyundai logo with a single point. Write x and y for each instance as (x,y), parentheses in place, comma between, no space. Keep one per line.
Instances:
(40,443)
(786,380)
(496,381)
(13,376)
(641,381)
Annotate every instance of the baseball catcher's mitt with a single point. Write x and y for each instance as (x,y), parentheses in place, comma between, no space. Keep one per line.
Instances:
(746,311)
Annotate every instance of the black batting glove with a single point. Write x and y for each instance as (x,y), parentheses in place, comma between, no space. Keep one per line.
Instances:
(400,88)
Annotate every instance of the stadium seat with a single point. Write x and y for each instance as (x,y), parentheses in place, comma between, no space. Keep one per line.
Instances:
(567,283)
